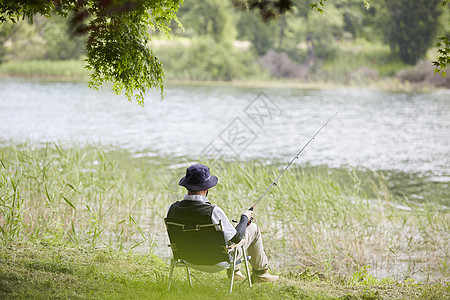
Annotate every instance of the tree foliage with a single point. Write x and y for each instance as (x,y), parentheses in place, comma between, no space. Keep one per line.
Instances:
(118,35)
(209,18)
(443,60)
(263,36)
(206,59)
(268,9)
(44,39)
(413,23)
(411,27)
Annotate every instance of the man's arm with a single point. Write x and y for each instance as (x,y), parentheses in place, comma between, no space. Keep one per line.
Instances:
(242,226)
(232,234)
(240,229)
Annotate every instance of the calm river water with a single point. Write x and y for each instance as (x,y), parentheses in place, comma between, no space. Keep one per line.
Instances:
(403,133)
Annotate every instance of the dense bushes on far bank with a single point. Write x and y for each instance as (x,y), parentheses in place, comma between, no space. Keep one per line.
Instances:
(244,71)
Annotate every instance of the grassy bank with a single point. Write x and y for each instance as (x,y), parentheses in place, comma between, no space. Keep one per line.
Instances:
(39,270)
(74,70)
(94,197)
(46,69)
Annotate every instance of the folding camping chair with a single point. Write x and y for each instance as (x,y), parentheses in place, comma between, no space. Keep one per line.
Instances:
(204,248)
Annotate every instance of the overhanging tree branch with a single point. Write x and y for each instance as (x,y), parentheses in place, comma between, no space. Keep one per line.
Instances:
(118,32)
(443,48)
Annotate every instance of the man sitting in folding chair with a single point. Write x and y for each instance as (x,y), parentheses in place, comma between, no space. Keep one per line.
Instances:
(195,208)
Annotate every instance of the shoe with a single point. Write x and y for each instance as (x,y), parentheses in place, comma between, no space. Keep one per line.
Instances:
(238,276)
(258,277)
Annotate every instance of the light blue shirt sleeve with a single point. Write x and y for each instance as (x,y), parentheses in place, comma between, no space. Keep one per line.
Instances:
(228,229)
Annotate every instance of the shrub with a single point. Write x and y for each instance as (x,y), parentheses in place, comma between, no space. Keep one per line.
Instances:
(205,59)
(423,72)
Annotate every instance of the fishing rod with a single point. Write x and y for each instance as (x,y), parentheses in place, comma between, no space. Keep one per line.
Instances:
(274,183)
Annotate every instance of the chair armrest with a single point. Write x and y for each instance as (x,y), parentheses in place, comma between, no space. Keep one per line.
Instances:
(237,245)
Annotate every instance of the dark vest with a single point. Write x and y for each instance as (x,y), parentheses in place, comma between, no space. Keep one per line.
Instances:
(190,212)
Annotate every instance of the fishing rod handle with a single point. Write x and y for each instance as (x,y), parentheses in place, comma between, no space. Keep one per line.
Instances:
(251,219)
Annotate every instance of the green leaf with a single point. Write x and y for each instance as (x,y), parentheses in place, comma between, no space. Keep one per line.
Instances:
(68,202)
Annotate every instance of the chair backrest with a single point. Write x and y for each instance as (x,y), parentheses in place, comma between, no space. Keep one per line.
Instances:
(198,244)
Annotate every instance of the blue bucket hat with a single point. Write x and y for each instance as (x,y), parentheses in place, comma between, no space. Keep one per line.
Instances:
(198,178)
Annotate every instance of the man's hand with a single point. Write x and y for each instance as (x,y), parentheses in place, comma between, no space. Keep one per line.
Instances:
(248,213)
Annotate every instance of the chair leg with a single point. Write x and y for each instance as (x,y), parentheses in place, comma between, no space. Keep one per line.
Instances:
(188,272)
(232,270)
(246,266)
(172,266)
(231,281)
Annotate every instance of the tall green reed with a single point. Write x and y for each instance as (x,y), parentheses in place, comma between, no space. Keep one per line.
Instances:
(11,203)
(77,194)
(335,228)
(102,197)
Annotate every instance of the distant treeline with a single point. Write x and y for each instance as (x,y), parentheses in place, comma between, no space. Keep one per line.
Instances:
(348,42)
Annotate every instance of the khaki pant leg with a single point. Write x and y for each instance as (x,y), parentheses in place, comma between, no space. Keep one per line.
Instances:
(255,248)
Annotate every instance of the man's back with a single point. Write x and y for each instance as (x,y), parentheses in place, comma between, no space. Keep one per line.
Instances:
(190,212)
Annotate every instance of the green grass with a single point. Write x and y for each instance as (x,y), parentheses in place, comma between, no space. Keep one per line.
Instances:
(96,197)
(64,69)
(43,271)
